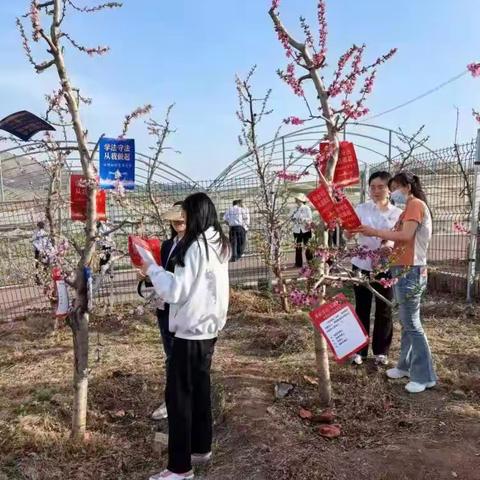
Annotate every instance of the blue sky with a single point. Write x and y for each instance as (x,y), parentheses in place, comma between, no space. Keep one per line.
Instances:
(187,53)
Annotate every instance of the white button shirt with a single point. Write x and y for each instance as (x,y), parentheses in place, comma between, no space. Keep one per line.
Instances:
(370,215)
(302,218)
(237,217)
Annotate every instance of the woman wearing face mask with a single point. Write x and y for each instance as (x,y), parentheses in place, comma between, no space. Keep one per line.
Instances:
(376,213)
(198,292)
(411,237)
(168,253)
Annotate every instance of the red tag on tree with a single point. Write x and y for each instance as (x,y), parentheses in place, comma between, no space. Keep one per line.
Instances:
(346,170)
(346,214)
(331,210)
(339,324)
(78,200)
(150,244)
(323,202)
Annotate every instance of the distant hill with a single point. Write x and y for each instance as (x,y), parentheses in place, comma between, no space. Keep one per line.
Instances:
(23,178)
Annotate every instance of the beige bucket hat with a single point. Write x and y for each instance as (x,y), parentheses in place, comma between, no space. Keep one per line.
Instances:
(173,214)
(301,197)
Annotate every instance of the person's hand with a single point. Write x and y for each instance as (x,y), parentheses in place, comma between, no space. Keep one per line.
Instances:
(366,231)
(143,269)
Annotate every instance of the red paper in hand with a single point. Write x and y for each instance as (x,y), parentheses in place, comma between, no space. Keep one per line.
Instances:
(152,245)
(323,202)
(346,214)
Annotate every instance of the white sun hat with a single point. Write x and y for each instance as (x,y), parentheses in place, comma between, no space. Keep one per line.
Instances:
(301,197)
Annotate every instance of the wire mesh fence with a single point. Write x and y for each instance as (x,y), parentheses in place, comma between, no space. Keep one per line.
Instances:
(21,295)
(449,177)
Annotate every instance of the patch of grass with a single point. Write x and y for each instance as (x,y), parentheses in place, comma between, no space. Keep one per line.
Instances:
(257,437)
(43,394)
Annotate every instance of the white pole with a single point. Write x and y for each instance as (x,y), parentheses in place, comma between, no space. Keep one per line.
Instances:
(472,250)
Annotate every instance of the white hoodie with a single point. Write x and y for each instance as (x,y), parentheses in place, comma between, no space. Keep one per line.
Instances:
(197,293)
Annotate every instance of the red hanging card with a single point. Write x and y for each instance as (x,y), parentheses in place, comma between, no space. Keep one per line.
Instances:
(323,202)
(152,245)
(331,211)
(341,327)
(346,170)
(346,214)
(78,200)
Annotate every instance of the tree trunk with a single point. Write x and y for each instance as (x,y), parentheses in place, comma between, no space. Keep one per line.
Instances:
(78,322)
(79,325)
(282,287)
(323,370)
(276,258)
(321,351)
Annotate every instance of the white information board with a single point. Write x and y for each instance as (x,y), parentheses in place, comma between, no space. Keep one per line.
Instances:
(339,324)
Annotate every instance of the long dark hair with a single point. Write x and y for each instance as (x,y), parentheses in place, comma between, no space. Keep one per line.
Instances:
(405,179)
(201,215)
(173,233)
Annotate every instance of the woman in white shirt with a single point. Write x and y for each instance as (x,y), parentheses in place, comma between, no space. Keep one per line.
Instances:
(378,213)
(198,292)
(302,230)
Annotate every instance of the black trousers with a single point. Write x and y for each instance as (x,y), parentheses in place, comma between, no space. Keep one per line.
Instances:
(165,333)
(238,237)
(300,240)
(383,326)
(188,402)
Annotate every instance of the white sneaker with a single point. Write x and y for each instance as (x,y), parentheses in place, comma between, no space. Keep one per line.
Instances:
(396,373)
(160,413)
(415,387)
(168,475)
(381,359)
(357,359)
(201,458)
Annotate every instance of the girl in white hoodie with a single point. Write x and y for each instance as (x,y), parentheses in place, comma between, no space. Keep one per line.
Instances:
(198,293)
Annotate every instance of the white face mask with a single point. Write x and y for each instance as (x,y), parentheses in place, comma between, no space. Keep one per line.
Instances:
(398,197)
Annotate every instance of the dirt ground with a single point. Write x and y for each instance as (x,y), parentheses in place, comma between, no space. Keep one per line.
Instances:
(386,434)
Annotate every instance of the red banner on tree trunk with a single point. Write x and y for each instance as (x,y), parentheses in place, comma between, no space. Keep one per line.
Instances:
(78,200)
(346,171)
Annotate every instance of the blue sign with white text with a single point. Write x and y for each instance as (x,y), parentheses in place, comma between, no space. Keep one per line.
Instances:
(117,163)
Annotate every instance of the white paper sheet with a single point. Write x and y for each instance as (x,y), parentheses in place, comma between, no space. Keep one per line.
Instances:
(146,255)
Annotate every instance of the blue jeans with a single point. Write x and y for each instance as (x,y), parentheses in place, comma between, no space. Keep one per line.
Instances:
(415,355)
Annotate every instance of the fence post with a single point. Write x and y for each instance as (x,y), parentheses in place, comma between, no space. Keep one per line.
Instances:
(364,184)
(472,248)
(2,192)
(390,151)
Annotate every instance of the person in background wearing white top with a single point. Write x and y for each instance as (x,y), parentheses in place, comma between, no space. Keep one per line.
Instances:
(302,230)
(41,244)
(237,217)
(381,214)
(198,294)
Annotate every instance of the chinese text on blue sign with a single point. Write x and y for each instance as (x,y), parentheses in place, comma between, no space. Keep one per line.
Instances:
(117,163)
